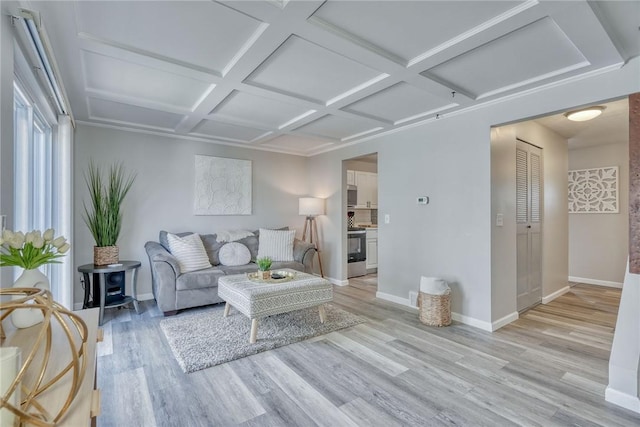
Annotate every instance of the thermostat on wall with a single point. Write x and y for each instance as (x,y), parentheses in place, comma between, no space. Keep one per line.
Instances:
(423,200)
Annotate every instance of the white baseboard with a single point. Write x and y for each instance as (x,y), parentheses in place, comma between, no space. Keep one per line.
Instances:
(471,321)
(625,400)
(337,282)
(597,282)
(556,294)
(485,326)
(141,297)
(504,321)
(398,300)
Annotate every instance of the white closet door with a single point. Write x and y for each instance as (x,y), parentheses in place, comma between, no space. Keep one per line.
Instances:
(529,224)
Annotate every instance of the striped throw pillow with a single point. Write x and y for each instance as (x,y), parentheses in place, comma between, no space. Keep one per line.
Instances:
(189,251)
(276,244)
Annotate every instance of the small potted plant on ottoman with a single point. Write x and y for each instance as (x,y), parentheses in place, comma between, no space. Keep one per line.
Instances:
(264,264)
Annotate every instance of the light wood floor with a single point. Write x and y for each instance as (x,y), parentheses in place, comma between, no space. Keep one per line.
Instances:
(549,368)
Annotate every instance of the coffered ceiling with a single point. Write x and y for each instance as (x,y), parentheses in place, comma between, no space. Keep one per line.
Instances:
(304,77)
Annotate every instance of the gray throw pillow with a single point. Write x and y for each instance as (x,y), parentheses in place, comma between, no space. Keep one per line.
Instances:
(212,246)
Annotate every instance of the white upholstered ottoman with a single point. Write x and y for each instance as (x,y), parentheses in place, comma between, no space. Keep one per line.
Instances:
(261,299)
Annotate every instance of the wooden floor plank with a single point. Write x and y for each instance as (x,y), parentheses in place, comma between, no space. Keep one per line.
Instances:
(133,400)
(365,415)
(233,397)
(313,403)
(366,354)
(549,367)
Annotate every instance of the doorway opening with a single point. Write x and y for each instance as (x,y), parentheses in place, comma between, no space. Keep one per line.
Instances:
(597,193)
(362,221)
(583,213)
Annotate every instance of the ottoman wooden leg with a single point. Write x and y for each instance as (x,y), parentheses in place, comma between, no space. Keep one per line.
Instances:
(227,307)
(322,313)
(254,331)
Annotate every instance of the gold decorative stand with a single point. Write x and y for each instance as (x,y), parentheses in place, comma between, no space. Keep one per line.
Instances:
(57,378)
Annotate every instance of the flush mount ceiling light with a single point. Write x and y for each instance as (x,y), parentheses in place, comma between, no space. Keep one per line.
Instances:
(584,114)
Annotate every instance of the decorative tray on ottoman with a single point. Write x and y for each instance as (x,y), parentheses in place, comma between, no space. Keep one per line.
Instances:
(277,276)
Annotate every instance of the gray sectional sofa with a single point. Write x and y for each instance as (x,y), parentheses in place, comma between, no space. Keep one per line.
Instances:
(175,291)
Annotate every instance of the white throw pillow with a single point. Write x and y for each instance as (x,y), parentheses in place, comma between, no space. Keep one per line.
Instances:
(234,253)
(276,244)
(189,251)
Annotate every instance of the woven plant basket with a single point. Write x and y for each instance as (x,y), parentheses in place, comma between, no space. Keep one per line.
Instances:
(104,255)
(435,310)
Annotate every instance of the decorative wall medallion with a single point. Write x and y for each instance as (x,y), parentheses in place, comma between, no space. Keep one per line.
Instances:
(223,186)
(593,190)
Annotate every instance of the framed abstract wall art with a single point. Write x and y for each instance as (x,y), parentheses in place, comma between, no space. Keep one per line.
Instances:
(222,186)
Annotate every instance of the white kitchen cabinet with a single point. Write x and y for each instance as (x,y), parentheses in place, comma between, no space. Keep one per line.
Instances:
(372,249)
(351,177)
(367,183)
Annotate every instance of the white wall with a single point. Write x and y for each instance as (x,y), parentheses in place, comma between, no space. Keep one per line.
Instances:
(447,238)
(555,245)
(599,243)
(624,366)
(503,239)
(162,195)
(6,126)
(449,161)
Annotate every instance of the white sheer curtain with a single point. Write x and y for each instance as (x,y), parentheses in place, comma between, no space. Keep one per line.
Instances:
(62,274)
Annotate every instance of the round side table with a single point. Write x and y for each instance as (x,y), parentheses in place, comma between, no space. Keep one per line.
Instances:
(101,271)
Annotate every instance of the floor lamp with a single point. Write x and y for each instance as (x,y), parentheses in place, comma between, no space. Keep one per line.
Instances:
(311,207)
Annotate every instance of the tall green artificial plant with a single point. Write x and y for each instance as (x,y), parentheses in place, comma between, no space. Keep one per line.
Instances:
(104,215)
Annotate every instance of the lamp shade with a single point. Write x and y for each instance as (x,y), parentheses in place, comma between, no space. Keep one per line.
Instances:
(311,206)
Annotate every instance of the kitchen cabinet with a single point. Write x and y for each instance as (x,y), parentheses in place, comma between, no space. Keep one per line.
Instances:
(372,249)
(367,183)
(351,177)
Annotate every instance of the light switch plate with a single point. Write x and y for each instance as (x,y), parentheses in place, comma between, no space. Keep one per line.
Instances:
(387,218)
(499,220)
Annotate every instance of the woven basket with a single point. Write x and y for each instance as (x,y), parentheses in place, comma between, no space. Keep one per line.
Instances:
(435,310)
(104,255)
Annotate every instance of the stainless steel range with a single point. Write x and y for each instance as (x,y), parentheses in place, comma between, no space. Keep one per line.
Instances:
(356,251)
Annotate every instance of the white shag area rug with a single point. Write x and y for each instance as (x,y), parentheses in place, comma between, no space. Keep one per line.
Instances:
(206,339)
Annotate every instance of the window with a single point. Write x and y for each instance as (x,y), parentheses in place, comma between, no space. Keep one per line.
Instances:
(34,161)
(33,169)
(42,157)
